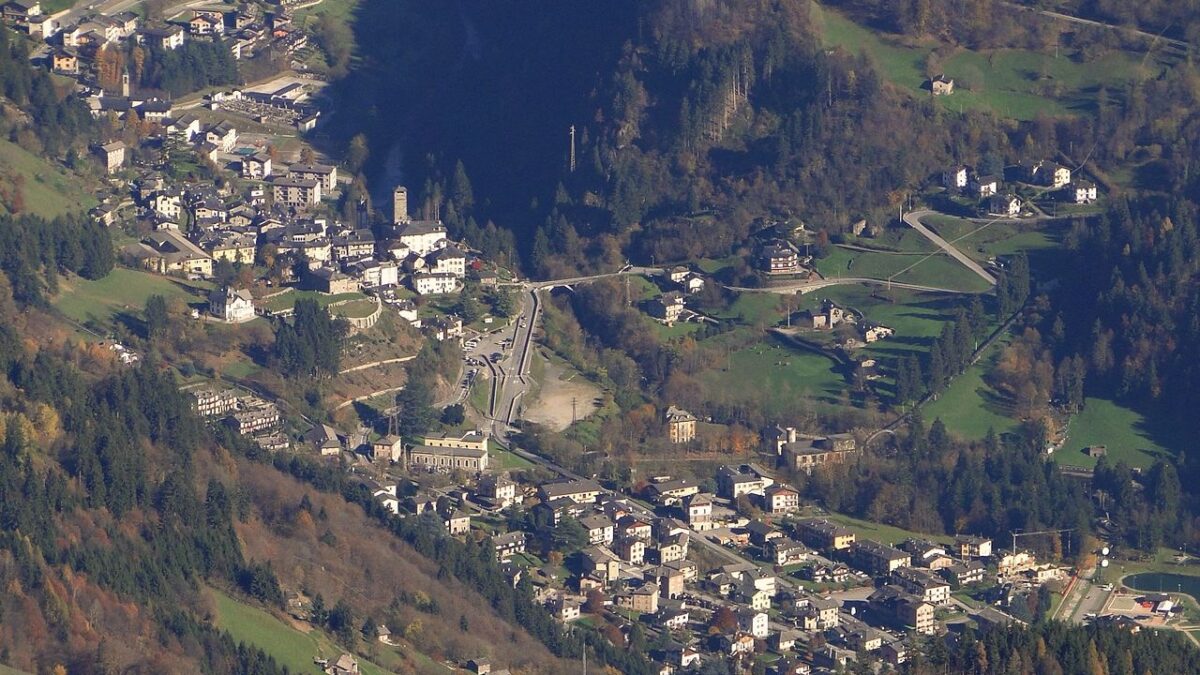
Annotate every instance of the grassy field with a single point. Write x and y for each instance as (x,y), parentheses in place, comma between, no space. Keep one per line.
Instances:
(1123,431)
(285,301)
(917,317)
(785,372)
(122,291)
(337,9)
(753,309)
(878,532)
(939,271)
(49,191)
(677,330)
(355,309)
(997,239)
(904,239)
(289,646)
(969,407)
(1013,83)
(504,460)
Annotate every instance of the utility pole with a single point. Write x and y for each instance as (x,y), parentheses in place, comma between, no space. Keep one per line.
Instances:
(572,148)
(573,418)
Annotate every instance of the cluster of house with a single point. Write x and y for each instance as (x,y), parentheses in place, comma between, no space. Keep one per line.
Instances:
(325,256)
(964,179)
(245,413)
(831,315)
(670,306)
(640,561)
(73,49)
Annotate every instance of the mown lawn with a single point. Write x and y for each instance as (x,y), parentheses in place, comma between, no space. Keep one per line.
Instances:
(937,271)
(122,291)
(753,309)
(969,407)
(48,190)
(285,301)
(1014,83)
(785,372)
(289,647)
(504,460)
(1123,431)
(996,239)
(885,534)
(355,309)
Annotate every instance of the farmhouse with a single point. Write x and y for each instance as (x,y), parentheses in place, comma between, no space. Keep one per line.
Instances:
(873,332)
(940,85)
(985,186)
(956,177)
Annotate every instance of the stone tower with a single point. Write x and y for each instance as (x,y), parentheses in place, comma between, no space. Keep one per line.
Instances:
(125,84)
(400,205)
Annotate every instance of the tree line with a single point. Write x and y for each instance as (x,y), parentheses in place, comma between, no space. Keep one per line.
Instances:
(35,251)
(934,483)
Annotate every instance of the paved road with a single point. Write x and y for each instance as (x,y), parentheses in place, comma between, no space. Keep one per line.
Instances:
(1100,24)
(913,219)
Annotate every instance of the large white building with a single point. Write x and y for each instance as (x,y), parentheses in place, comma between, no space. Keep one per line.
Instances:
(231,305)
(298,192)
(425,283)
(423,237)
(449,260)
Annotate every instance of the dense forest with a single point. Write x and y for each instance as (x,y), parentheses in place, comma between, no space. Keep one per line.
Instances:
(1053,648)
(691,120)
(34,252)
